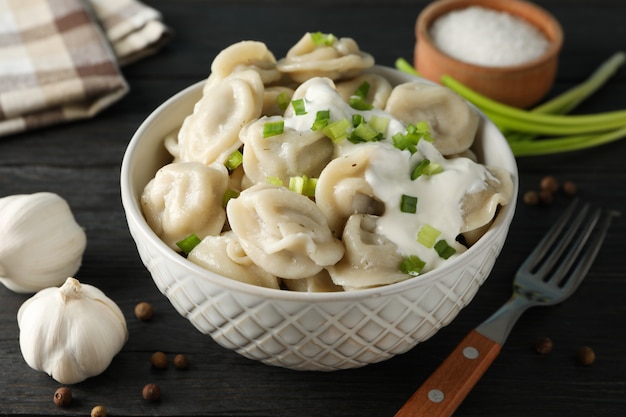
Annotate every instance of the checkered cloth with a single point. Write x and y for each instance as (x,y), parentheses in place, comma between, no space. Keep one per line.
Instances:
(59,59)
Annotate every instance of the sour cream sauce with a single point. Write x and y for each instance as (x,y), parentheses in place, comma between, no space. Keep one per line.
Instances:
(389,174)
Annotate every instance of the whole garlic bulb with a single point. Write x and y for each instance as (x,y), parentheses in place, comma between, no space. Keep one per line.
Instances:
(40,242)
(71,332)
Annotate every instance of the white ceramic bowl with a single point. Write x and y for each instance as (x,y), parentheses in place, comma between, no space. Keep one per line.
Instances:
(307,331)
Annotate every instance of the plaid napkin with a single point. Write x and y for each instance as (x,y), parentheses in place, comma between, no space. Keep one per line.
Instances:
(59,59)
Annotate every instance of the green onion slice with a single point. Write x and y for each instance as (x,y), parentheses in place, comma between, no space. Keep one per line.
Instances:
(428,235)
(274,181)
(412,265)
(365,133)
(303,185)
(273,128)
(298,107)
(188,243)
(322,117)
(419,169)
(338,131)
(321,39)
(234,160)
(282,101)
(408,204)
(444,250)
(379,123)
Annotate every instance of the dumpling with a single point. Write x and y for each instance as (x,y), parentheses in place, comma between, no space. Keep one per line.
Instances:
(453,123)
(283,232)
(224,255)
(370,260)
(342,189)
(292,153)
(377,94)
(211,133)
(244,55)
(339,58)
(479,208)
(185,198)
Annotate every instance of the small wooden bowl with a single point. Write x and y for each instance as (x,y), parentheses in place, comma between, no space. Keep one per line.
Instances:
(521,85)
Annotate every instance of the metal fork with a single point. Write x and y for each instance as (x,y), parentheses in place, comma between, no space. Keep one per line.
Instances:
(550,274)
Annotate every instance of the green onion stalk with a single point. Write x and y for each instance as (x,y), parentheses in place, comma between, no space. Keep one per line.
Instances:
(547,128)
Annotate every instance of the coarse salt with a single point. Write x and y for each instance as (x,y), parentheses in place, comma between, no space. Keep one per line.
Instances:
(488,37)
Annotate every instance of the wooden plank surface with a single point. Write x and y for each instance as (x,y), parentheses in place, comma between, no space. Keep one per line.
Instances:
(81,162)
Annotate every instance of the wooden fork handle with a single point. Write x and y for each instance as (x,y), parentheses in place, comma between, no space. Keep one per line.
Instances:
(447,387)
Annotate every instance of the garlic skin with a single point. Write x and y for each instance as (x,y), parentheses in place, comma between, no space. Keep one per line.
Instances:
(71,332)
(40,242)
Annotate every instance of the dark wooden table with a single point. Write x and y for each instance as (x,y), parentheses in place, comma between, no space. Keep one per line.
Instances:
(81,162)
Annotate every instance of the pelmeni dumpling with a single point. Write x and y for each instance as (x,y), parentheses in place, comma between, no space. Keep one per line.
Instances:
(335,59)
(479,207)
(292,153)
(185,198)
(378,91)
(224,255)
(283,232)
(453,123)
(244,55)
(370,260)
(211,133)
(342,189)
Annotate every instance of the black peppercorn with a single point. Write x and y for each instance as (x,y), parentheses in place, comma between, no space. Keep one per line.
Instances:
(151,392)
(63,396)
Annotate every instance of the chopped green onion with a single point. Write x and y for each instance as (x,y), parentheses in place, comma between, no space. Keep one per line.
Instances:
(357,119)
(228,195)
(322,117)
(379,123)
(321,39)
(444,250)
(338,130)
(274,181)
(309,187)
(273,128)
(188,243)
(412,265)
(408,204)
(419,169)
(358,99)
(428,235)
(303,185)
(234,160)
(408,140)
(433,168)
(282,101)
(298,107)
(364,133)
(423,129)
(296,184)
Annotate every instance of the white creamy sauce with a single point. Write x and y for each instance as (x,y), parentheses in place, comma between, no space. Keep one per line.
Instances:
(389,173)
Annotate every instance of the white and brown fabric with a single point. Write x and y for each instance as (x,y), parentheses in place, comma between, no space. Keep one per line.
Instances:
(60,59)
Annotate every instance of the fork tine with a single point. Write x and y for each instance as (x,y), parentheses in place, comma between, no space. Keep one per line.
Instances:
(545,245)
(585,261)
(575,240)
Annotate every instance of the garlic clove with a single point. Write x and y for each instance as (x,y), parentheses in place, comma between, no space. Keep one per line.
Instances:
(71,332)
(41,244)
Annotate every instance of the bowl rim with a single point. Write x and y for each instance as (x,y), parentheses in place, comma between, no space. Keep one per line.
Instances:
(134,215)
(437,8)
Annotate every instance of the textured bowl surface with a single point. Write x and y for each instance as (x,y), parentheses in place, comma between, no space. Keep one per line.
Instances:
(306,331)
(520,85)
